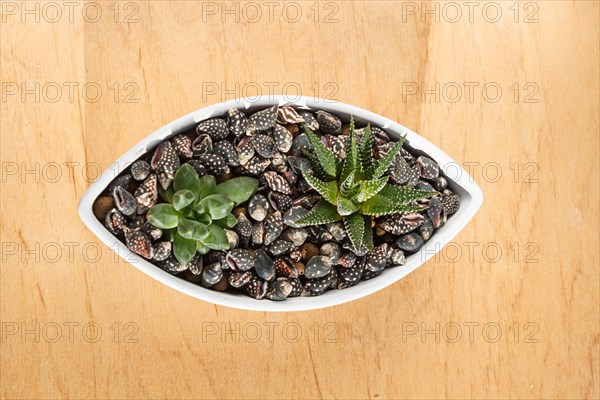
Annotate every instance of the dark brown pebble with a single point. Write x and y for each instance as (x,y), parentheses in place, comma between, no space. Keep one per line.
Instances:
(191,277)
(222,285)
(300,267)
(345,129)
(238,210)
(309,250)
(293,128)
(102,206)
(224,177)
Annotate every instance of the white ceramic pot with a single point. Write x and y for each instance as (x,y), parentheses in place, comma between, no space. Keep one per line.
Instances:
(459,181)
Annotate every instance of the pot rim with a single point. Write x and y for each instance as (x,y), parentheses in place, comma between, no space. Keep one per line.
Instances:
(461,182)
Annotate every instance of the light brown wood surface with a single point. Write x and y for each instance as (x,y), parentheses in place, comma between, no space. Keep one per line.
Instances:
(533,150)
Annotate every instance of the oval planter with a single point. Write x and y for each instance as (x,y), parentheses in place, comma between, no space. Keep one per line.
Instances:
(459,181)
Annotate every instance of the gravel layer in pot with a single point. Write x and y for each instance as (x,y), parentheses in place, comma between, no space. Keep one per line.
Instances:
(280,203)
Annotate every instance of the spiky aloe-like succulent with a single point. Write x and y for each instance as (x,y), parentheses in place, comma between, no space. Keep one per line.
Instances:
(355,189)
(197,210)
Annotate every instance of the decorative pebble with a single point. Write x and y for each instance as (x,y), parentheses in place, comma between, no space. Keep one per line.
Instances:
(265,266)
(237,122)
(294,214)
(436,212)
(140,170)
(216,128)
(122,181)
(317,266)
(451,204)
(279,290)
(273,227)
(308,250)
(427,168)
(124,201)
(165,162)
(102,206)
(262,120)
(287,115)
(329,123)
(211,274)
(258,208)
(411,242)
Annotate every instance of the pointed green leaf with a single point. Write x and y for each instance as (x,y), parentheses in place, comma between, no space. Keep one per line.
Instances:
(351,162)
(366,153)
(322,213)
(217,205)
(190,229)
(403,195)
(384,163)
(186,177)
(183,198)
(328,190)
(369,189)
(355,226)
(163,216)
(216,239)
(348,188)
(368,236)
(238,189)
(378,205)
(184,249)
(327,159)
(346,206)
(314,163)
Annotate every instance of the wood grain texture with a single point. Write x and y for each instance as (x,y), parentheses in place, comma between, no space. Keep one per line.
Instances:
(542,290)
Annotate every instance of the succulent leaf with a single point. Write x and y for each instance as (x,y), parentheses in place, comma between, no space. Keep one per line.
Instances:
(314,163)
(228,222)
(183,198)
(348,187)
(401,194)
(206,187)
(355,226)
(346,206)
(190,229)
(184,249)
(238,189)
(322,213)
(351,162)
(328,190)
(163,216)
(201,248)
(369,189)
(216,238)
(327,159)
(203,218)
(217,205)
(384,163)
(378,205)
(366,153)
(186,177)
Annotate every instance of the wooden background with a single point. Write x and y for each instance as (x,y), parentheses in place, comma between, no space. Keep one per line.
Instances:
(518,317)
